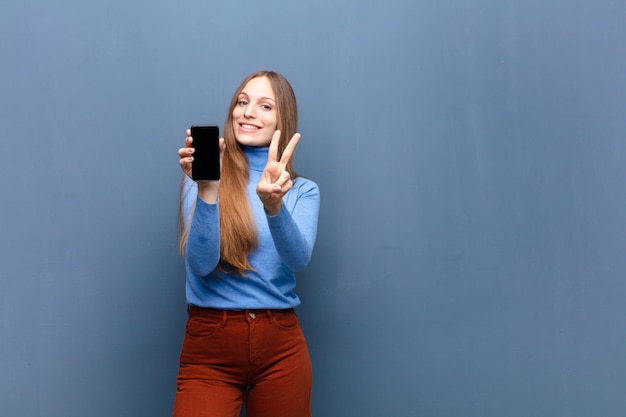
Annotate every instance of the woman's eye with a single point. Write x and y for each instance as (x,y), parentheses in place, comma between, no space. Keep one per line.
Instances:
(242,102)
(266,107)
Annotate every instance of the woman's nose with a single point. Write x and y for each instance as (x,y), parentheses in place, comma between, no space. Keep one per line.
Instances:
(249,111)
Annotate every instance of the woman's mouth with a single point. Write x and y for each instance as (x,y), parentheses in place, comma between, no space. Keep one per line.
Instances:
(248,127)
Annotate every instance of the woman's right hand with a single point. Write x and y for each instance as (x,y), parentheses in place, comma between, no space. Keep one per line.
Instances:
(186,154)
(206,190)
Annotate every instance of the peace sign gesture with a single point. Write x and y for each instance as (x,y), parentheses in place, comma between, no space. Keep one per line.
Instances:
(276,180)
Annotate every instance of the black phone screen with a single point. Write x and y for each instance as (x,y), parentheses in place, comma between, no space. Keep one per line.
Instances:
(206,158)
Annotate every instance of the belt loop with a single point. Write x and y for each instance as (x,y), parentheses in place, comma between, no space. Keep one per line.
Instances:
(270,315)
(224,317)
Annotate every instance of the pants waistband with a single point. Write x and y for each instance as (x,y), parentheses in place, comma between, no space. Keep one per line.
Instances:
(235,314)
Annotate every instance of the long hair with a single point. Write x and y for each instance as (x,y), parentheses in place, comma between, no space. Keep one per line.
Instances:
(238,231)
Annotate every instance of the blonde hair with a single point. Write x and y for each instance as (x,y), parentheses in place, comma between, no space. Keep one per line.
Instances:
(238,231)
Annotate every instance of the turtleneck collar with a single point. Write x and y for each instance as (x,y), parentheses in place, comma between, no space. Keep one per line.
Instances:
(257,157)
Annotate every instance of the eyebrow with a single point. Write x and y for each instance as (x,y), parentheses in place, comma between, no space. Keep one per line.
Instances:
(243,93)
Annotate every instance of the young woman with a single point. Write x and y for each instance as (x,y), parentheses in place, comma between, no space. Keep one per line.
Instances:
(243,238)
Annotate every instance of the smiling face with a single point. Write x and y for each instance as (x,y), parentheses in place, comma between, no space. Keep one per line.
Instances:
(255,114)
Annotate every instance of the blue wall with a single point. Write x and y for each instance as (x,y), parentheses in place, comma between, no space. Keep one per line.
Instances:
(470,259)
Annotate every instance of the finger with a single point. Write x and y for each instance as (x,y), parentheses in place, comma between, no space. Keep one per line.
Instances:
(273,151)
(222,145)
(185,152)
(287,186)
(265,191)
(290,148)
(185,165)
(283,179)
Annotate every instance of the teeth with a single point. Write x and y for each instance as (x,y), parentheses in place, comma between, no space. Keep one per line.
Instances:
(249,126)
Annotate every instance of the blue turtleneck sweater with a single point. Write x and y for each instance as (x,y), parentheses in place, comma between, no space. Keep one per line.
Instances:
(285,246)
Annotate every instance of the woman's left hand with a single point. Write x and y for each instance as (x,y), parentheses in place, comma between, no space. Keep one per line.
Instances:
(276,180)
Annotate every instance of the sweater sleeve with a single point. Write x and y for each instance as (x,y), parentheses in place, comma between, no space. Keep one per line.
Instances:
(203,243)
(294,228)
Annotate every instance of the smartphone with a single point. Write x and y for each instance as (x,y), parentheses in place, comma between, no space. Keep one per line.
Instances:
(206,158)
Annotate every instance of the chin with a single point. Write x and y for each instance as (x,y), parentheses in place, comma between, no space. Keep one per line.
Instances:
(248,141)
(253,143)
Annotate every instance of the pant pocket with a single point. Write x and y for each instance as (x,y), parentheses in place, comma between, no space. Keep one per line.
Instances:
(286,320)
(199,337)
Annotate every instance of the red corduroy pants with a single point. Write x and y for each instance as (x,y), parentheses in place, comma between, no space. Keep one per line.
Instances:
(259,354)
